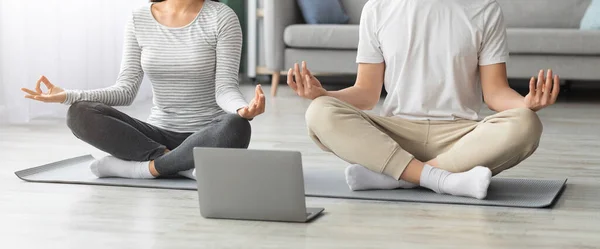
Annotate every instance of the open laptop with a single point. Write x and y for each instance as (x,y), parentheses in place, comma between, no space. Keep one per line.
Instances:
(251,185)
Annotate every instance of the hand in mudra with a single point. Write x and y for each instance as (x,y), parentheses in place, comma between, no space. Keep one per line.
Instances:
(304,83)
(256,106)
(543,92)
(54,94)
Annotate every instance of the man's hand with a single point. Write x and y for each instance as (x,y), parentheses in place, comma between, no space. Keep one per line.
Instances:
(256,106)
(543,92)
(54,94)
(304,83)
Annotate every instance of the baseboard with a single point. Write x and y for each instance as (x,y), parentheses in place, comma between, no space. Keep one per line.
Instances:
(262,70)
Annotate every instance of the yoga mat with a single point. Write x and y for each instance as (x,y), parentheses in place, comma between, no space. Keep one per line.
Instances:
(322,182)
(77,171)
(505,192)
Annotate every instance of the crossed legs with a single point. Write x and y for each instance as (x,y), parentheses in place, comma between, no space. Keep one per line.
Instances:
(417,151)
(440,155)
(136,144)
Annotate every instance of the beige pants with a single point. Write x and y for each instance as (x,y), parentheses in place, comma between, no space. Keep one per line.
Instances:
(388,144)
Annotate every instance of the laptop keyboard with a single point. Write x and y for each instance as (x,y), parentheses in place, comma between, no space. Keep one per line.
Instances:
(308,214)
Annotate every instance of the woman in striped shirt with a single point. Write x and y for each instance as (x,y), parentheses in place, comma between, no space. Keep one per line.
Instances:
(190,50)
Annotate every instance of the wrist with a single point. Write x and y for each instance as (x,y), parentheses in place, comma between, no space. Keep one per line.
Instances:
(64,97)
(242,116)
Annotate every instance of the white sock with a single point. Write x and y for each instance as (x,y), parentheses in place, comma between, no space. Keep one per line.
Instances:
(190,173)
(473,183)
(110,166)
(360,178)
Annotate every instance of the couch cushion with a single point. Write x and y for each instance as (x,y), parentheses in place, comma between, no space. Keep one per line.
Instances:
(520,40)
(554,41)
(321,36)
(543,13)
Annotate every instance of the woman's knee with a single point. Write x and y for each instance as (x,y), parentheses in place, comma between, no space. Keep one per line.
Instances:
(80,116)
(237,128)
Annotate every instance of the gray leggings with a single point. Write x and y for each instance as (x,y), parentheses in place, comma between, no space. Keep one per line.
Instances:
(127,138)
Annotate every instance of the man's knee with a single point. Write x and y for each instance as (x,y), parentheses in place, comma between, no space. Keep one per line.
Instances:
(527,129)
(322,113)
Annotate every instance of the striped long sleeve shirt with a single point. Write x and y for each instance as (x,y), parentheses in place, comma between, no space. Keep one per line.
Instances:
(193,69)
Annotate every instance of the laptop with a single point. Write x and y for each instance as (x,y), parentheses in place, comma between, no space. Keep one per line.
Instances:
(251,185)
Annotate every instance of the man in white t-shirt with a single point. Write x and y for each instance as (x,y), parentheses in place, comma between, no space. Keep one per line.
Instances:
(439,61)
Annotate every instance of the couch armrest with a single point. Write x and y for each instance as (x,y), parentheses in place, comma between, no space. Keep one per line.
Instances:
(278,14)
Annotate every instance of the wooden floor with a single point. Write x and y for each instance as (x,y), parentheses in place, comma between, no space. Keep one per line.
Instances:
(71,216)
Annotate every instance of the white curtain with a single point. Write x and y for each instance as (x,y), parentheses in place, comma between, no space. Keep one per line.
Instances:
(75,43)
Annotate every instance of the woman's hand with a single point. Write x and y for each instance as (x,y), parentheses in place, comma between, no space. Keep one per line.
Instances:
(53,95)
(543,92)
(304,83)
(256,106)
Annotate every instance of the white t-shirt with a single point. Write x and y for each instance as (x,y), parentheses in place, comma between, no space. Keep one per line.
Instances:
(432,50)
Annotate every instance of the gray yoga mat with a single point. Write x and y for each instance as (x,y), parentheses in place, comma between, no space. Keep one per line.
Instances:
(328,183)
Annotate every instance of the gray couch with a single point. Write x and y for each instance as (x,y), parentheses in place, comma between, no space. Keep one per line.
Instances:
(541,34)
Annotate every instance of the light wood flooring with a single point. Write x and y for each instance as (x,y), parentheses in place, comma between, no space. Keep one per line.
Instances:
(73,216)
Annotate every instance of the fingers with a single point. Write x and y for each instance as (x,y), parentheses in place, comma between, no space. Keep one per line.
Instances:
(539,86)
(261,104)
(555,89)
(311,76)
(247,112)
(256,93)
(259,89)
(304,70)
(547,88)
(290,80)
(255,102)
(532,86)
(308,72)
(299,80)
(261,100)
(45,98)
(256,106)
(30,96)
(250,109)
(254,109)
(306,79)
(549,77)
(47,82)
(37,84)
(29,91)
(34,95)
(312,79)
(309,86)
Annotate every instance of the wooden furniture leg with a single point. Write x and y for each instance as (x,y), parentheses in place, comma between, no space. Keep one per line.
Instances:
(275,82)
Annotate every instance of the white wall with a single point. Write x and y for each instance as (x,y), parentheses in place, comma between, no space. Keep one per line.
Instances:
(75,43)
(3,112)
